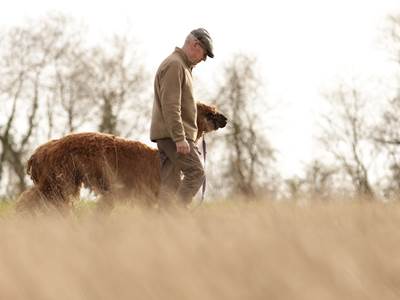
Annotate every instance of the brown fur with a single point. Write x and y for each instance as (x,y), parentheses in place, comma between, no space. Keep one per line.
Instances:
(110,166)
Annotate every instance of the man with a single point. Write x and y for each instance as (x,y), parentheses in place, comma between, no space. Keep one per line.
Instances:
(173,124)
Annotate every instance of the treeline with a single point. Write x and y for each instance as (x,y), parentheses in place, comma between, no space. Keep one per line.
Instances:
(53,82)
(359,136)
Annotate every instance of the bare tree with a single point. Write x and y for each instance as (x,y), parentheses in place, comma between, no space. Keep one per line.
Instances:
(387,141)
(346,136)
(25,54)
(318,183)
(386,134)
(247,153)
(52,84)
(70,92)
(116,79)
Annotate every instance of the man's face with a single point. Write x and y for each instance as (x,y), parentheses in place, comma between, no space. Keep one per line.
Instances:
(200,52)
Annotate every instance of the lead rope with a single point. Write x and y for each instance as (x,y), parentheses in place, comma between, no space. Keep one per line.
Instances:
(203,190)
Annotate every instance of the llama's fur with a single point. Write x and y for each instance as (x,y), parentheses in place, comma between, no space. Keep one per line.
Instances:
(112,167)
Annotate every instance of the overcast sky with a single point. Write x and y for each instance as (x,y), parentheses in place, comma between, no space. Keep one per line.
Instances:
(302,46)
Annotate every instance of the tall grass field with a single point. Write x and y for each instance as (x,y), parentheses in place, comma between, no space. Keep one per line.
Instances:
(224,250)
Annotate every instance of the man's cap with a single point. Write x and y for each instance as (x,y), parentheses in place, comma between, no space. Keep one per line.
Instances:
(204,38)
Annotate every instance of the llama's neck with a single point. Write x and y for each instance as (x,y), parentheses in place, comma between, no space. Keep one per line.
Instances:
(200,134)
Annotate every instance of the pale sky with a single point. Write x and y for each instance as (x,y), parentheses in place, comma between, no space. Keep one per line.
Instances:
(302,46)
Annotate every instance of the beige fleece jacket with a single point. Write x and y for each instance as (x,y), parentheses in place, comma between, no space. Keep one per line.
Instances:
(174,108)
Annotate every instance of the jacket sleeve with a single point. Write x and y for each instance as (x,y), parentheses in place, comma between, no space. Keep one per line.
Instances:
(170,98)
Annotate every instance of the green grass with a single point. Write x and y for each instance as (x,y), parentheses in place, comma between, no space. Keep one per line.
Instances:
(83,207)
(7,207)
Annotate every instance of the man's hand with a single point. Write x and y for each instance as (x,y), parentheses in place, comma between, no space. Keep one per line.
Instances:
(182,147)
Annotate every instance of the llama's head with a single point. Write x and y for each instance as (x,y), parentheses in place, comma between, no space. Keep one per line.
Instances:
(209,119)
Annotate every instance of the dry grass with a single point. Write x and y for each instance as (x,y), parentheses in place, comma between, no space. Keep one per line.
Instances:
(221,251)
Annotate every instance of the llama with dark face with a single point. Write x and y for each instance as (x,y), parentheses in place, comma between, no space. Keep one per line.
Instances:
(114,168)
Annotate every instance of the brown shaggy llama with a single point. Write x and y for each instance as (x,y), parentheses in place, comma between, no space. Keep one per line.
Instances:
(110,166)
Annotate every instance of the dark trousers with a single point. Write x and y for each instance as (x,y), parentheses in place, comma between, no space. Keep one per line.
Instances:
(173,165)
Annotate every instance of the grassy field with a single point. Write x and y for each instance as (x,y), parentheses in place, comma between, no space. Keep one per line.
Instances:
(226,250)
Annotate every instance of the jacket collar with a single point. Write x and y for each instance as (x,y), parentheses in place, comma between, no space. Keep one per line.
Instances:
(184,57)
